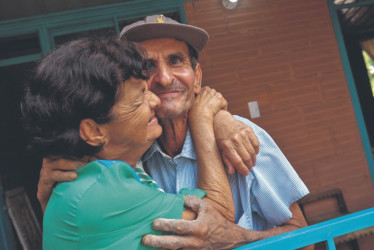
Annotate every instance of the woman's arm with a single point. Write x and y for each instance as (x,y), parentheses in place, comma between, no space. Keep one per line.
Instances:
(212,176)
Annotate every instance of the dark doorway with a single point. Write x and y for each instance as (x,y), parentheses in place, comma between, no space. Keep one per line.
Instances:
(362,82)
(357,26)
(18,167)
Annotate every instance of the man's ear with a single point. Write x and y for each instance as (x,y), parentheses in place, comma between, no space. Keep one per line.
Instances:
(92,133)
(198,79)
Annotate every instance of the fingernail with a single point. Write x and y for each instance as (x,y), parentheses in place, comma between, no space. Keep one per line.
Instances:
(156,223)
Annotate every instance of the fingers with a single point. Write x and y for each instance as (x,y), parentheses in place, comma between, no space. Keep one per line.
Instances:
(194,234)
(60,170)
(229,166)
(43,196)
(196,204)
(61,176)
(49,176)
(175,226)
(195,229)
(243,151)
(235,155)
(250,142)
(182,226)
(240,152)
(254,141)
(235,160)
(210,95)
(219,97)
(224,102)
(62,164)
(249,153)
(171,241)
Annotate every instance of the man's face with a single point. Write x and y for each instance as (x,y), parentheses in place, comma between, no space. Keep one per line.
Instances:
(173,81)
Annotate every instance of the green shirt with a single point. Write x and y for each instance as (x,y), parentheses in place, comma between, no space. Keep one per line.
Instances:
(106,207)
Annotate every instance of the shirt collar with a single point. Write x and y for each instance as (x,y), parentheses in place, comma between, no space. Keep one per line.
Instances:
(188,150)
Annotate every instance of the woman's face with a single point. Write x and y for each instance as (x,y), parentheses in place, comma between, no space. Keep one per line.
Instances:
(134,125)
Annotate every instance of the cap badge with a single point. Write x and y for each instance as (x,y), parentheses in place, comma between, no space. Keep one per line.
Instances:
(160,19)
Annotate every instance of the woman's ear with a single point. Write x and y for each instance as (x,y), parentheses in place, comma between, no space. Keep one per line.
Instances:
(92,133)
(198,79)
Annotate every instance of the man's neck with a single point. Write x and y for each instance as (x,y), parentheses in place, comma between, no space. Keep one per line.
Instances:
(174,133)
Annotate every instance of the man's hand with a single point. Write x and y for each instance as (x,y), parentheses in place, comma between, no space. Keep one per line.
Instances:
(53,171)
(237,142)
(209,231)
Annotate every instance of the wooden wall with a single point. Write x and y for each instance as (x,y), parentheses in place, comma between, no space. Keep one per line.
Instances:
(284,55)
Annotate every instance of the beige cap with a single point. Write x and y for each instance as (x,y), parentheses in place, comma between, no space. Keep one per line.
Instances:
(159,26)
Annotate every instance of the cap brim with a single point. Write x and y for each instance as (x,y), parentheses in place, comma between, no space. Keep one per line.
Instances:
(192,35)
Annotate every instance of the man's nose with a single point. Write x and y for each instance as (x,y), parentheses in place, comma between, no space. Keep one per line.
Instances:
(162,75)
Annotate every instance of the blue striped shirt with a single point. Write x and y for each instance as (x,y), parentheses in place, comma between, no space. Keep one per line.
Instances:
(262,198)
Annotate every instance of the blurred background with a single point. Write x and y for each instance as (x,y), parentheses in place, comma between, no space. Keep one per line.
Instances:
(302,70)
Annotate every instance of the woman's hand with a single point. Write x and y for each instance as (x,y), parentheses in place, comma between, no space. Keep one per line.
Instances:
(207,104)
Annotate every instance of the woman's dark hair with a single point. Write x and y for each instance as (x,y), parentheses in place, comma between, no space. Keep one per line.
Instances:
(79,80)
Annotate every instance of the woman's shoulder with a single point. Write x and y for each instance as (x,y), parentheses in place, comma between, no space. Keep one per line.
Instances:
(97,182)
(94,176)
(97,173)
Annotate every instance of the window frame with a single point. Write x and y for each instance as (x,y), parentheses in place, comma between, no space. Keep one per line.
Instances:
(61,23)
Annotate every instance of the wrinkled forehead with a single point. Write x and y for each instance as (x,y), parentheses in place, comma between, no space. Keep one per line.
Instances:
(164,47)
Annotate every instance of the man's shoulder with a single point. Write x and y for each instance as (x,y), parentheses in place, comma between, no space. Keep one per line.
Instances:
(245,120)
(256,128)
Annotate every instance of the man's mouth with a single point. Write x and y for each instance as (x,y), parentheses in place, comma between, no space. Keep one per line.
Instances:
(166,93)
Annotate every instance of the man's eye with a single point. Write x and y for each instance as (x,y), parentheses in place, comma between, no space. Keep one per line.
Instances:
(175,60)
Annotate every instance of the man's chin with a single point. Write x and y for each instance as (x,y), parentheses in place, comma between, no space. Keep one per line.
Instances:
(167,114)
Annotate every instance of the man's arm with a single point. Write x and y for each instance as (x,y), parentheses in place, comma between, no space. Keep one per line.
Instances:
(237,143)
(211,231)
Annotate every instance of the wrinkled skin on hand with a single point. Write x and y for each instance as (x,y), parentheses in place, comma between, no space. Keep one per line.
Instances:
(237,142)
(209,231)
(52,172)
(207,104)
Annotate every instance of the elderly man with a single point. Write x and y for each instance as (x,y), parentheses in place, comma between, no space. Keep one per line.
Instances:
(265,198)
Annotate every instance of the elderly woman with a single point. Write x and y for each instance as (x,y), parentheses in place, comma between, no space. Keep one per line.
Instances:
(89,101)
